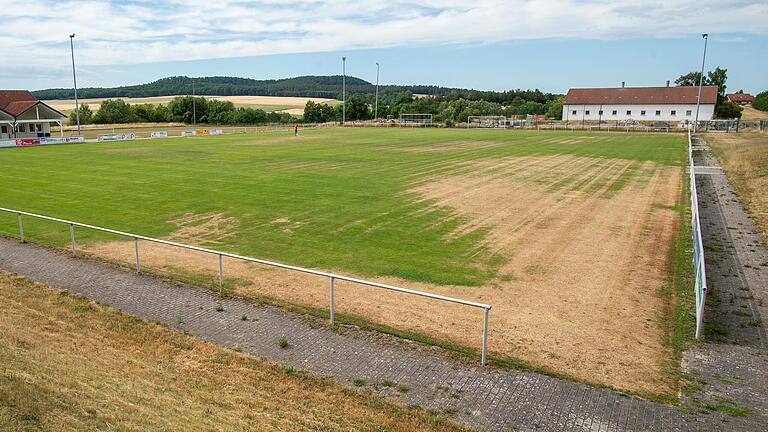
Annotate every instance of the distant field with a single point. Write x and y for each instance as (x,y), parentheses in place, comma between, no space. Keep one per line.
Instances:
(69,364)
(292,105)
(750,113)
(567,234)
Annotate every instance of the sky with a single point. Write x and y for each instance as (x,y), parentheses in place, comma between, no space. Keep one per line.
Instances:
(551,45)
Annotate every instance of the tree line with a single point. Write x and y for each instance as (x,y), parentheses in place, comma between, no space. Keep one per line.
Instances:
(183,109)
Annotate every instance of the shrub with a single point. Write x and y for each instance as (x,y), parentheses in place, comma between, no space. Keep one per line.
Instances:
(761,101)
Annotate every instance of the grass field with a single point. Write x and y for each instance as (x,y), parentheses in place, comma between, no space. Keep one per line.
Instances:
(744,156)
(570,236)
(69,364)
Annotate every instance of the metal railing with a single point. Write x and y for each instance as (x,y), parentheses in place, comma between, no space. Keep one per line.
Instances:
(699,268)
(331,276)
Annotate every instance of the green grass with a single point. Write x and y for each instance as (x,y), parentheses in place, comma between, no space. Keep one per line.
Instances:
(344,191)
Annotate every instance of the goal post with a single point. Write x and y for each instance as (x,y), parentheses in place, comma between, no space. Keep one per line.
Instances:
(487,122)
(415,119)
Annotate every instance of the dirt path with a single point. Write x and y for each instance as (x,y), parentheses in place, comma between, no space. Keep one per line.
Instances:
(483,398)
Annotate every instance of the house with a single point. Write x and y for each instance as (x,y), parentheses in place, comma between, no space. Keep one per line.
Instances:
(639,104)
(23,116)
(740,98)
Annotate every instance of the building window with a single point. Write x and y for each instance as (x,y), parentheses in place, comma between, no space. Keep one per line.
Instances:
(673,112)
(614,112)
(600,112)
(22,127)
(658,112)
(586,112)
(573,112)
(642,113)
(629,112)
(688,113)
(3,129)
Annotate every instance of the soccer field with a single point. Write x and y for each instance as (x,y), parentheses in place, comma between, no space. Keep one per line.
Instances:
(568,235)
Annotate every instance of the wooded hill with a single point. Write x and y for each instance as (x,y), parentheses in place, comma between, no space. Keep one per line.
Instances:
(303,86)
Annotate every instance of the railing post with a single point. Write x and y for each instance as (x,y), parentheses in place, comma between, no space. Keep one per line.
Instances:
(221,274)
(21,229)
(72,239)
(484,360)
(136,249)
(332,305)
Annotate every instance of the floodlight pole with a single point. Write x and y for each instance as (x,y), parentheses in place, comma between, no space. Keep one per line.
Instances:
(74,79)
(194,104)
(376,110)
(701,81)
(343,91)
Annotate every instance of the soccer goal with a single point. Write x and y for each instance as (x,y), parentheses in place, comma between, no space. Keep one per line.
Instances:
(415,120)
(487,122)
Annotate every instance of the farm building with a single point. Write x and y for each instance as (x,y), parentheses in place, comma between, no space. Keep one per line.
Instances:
(740,98)
(639,104)
(23,116)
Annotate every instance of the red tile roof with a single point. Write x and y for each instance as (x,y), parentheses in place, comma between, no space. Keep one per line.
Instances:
(740,97)
(640,95)
(15,102)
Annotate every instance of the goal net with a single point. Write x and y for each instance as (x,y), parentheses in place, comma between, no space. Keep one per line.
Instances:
(415,119)
(487,122)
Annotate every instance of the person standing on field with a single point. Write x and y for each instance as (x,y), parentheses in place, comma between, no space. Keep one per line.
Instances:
(296,131)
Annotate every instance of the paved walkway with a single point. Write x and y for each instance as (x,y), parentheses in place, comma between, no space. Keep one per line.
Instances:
(483,398)
(731,365)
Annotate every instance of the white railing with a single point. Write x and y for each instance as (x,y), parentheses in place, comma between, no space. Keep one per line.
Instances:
(699,268)
(331,276)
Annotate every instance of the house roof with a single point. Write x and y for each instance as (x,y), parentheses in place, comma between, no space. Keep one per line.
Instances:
(16,102)
(740,97)
(640,95)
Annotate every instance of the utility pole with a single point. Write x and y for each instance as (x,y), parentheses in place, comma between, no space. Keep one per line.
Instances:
(376,110)
(701,81)
(343,91)
(74,79)
(194,104)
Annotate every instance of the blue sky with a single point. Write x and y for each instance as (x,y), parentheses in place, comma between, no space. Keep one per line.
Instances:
(487,44)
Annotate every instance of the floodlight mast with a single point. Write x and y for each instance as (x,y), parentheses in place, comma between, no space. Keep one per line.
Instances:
(74,79)
(376,110)
(701,81)
(194,104)
(343,91)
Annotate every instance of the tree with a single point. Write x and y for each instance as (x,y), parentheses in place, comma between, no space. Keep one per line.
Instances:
(690,79)
(114,111)
(555,109)
(761,101)
(318,113)
(184,110)
(86,115)
(718,77)
(728,110)
(357,108)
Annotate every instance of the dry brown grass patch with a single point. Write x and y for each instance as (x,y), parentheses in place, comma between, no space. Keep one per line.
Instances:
(68,364)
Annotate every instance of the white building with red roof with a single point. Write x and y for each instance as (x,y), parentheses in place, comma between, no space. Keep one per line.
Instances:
(646,104)
(23,116)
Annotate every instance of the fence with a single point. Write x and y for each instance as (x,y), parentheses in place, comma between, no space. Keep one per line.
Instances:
(699,268)
(331,276)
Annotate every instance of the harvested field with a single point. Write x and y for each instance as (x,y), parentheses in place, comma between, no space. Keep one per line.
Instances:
(267,103)
(568,235)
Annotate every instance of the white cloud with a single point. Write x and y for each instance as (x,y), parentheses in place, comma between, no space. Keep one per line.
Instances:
(111,32)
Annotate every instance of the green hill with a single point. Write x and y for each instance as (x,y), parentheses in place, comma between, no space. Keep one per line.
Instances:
(303,86)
